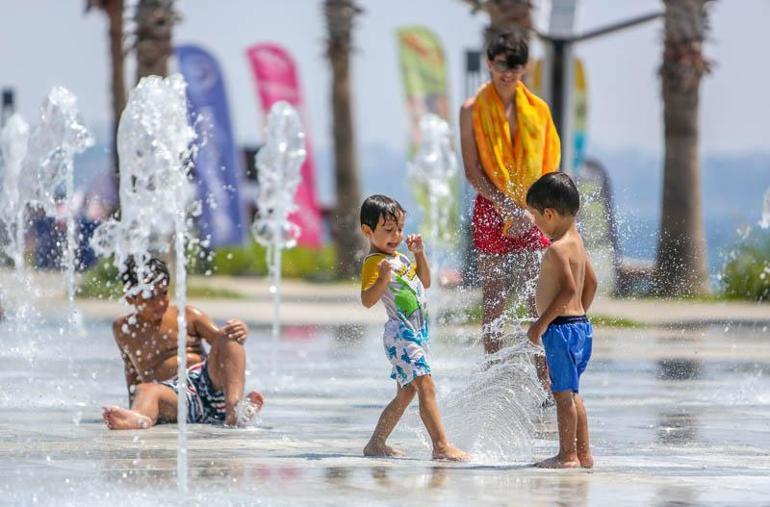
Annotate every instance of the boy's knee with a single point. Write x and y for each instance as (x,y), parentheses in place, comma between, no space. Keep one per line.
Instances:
(226,346)
(424,385)
(147,389)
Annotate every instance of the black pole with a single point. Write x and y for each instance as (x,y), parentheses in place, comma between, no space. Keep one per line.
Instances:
(557,83)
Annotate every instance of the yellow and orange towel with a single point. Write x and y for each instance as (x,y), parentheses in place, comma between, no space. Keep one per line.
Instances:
(513,165)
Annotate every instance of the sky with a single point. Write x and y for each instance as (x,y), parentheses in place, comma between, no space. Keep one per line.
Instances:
(49,42)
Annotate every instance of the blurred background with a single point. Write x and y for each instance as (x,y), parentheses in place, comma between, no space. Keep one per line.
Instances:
(392,60)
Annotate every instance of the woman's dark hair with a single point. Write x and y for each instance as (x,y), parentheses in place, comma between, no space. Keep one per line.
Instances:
(556,191)
(155,273)
(512,45)
(379,206)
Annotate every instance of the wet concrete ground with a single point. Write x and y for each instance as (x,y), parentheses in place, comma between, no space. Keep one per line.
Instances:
(676,418)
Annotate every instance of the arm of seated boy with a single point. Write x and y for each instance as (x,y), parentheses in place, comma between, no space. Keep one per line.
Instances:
(202,325)
(132,377)
(373,288)
(558,262)
(589,287)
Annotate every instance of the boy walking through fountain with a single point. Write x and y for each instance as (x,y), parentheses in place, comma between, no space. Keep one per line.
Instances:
(148,344)
(390,276)
(565,290)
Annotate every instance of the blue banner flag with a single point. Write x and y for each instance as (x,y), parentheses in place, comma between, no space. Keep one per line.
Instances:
(216,165)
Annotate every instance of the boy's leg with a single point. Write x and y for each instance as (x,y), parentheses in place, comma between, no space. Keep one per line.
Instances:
(387,422)
(151,401)
(566,414)
(227,370)
(426,392)
(583,445)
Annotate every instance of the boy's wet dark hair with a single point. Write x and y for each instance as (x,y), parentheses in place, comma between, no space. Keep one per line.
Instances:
(556,191)
(156,272)
(511,45)
(379,206)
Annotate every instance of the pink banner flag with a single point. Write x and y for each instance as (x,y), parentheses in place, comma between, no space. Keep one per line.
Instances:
(276,78)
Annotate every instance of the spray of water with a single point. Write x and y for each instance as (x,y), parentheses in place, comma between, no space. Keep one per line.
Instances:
(48,167)
(17,306)
(156,197)
(494,414)
(432,169)
(13,146)
(278,163)
(764,222)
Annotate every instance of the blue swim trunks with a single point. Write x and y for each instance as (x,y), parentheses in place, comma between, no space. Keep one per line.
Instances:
(567,343)
(205,404)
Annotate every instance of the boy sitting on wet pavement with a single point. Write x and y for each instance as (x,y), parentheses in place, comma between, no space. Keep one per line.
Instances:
(147,339)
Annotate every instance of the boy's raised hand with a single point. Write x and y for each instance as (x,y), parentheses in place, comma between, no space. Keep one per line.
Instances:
(385,268)
(414,243)
(235,330)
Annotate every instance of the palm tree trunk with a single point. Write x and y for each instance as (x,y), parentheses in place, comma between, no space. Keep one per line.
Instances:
(505,16)
(680,266)
(345,227)
(154,25)
(113,9)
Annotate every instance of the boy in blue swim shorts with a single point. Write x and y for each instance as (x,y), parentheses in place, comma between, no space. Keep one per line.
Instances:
(391,277)
(565,290)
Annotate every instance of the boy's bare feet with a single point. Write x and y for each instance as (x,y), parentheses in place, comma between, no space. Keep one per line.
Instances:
(254,397)
(558,462)
(586,460)
(381,451)
(118,418)
(449,452)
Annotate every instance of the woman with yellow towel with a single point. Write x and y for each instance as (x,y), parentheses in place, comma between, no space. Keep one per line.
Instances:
(508,141)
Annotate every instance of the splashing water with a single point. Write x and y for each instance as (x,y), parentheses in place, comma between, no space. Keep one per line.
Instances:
(16,306)
(279,162)
(48,167)
(765,221)
(13,146)
(432,169)
(154,146)
(493,416)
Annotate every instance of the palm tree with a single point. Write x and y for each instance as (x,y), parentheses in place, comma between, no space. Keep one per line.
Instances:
(504,16)
(154,25)
(680,266)
(340,15)
(113,9)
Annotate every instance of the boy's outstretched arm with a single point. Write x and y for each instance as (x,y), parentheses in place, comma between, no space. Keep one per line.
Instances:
(589,287)
(202,325)
(567,291)
(132,377)
(372,294)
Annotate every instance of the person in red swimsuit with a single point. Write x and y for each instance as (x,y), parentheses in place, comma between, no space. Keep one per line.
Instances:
(508,257)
